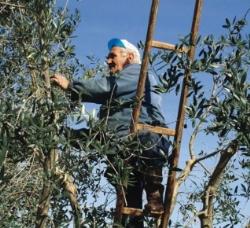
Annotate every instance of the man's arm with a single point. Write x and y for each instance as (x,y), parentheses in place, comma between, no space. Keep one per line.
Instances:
(95,90)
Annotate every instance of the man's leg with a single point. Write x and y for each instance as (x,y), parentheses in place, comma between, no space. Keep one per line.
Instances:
(154,157)
(154,190)
(134,200)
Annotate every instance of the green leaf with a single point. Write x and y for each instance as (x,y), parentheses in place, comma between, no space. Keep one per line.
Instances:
(243,78)
(177,88)
(244,188)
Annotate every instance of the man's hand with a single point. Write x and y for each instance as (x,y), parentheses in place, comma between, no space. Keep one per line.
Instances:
(61,81)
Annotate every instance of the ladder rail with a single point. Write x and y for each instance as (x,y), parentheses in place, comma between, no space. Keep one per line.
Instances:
(171,182)
(139,95)
(144,65)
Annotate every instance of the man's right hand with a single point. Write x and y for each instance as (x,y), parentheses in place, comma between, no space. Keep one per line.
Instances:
(61,81)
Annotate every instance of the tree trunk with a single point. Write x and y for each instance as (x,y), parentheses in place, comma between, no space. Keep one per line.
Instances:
(48,167)
(67,184)
(206,215)
(43,207)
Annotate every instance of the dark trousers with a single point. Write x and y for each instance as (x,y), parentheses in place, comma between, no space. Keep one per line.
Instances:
(134,200)
(148,180)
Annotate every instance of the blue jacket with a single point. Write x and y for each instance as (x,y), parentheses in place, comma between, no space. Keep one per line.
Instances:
(116,94)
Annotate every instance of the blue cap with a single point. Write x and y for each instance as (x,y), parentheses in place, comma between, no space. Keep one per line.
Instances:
(115,43)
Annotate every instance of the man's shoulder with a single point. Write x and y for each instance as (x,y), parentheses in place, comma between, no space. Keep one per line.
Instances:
(130,71)
(132,68)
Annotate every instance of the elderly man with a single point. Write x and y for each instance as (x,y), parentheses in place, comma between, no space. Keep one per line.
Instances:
(120,88)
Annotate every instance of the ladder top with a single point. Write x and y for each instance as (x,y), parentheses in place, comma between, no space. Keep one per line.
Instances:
(168,46)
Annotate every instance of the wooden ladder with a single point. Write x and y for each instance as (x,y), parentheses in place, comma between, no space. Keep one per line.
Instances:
(177,132)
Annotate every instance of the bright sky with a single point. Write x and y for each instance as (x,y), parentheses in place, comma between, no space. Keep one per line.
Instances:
(103,20)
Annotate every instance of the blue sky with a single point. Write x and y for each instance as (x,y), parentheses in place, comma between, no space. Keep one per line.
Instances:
(102,20)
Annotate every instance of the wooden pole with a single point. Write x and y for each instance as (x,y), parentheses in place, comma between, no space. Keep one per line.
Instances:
(144,66)
(119,206)
(139,96)
(171,183)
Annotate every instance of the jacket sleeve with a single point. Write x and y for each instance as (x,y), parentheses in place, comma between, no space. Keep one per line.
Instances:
(97,90)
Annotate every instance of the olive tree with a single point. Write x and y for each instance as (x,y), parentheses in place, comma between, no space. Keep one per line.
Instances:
(37,185)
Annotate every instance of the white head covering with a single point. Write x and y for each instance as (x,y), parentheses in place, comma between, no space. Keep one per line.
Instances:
(124,44)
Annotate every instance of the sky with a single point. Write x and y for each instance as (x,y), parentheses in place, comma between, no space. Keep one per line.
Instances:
(102,20)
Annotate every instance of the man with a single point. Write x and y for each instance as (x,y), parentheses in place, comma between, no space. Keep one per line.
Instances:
(116,94)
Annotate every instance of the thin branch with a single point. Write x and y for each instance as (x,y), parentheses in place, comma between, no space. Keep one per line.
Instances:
(182,177)
(193,137)
(207,156)
(245,16)
(65,7)
(198,126)
(2,9)
(188,168)
(203,166)
(123,191)
(11,4)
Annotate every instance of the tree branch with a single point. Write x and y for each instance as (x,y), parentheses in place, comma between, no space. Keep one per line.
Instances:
(207,156)
(11,4)
(188,168)
(182,177)
(66,182)
(204,167)
(206,215)
(198,126)
(44,203)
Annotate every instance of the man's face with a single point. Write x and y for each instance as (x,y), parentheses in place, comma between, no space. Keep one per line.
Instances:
(117,59)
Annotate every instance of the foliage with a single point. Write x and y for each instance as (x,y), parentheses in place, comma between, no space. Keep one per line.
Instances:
(219,110)
(35,42)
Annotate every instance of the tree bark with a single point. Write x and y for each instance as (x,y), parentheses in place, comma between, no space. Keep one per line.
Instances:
(43,207)
(206,215)
(49,170)
(67,184)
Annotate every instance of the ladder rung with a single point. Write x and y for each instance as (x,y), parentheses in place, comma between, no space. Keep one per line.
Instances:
(155,129)
(139,212)
(172,47)
(132,211)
